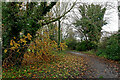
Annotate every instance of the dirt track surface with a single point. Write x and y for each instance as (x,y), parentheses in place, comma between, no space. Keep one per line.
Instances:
(100,67)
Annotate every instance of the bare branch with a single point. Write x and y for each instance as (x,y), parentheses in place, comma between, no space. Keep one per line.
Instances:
(59,16)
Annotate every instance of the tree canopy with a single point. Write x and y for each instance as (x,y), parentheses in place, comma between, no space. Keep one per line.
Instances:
(92,21)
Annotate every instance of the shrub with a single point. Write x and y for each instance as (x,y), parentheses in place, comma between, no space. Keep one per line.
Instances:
(42,48)
(16,49)
(111,48)
(85,45)
(101,52)
(71,43)
(81,46)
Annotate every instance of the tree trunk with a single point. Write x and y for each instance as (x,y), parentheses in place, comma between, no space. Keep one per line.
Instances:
(59,34)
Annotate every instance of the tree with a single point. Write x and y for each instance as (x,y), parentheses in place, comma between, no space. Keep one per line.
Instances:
(19,17)
(91,22)
(58,10)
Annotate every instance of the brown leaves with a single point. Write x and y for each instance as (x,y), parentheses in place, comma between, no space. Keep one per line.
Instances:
(68,66)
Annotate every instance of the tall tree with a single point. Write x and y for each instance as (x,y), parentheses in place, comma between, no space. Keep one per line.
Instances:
(91,22)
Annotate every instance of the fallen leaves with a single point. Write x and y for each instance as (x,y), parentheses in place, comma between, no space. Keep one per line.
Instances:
(67,66)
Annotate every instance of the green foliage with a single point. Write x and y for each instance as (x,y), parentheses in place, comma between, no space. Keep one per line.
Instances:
(101,52)
(16,19)
(81,46)
(71,43)
(92,21)
(85,45)
(111,49)
(11,22)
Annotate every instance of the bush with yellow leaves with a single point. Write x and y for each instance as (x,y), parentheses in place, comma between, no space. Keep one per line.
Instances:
(16,47)
(42,48)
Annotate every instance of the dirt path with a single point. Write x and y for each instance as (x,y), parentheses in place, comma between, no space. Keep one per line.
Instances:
(100,67)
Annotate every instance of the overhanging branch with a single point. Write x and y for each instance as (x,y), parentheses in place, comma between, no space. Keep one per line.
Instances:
(58,17)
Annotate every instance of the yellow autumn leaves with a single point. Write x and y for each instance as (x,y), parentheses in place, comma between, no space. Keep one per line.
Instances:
(42,45)
(16,44)
(63,46)
(29,36)
(11,42)
(5,50)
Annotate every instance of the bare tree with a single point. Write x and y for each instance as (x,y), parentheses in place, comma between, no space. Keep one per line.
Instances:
(61,9)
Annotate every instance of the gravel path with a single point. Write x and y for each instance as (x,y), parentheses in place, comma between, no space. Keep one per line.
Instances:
(100,67)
